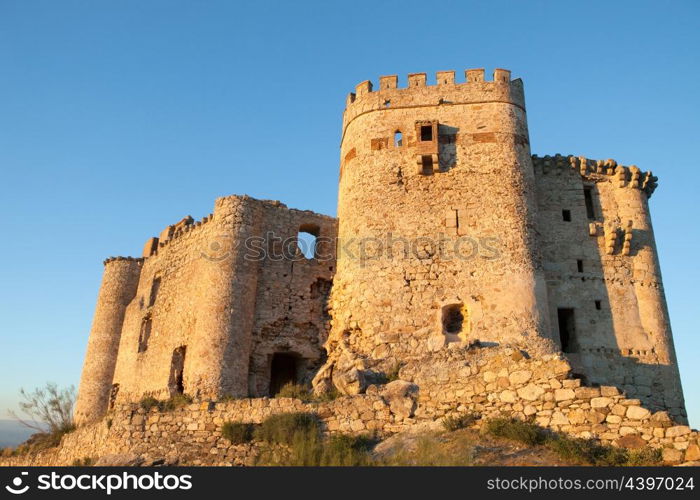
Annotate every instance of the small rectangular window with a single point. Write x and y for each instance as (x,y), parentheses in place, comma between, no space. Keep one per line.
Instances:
(579,265)
(566,215)
(426,133)
(427,162)
(598,305)
(588,197)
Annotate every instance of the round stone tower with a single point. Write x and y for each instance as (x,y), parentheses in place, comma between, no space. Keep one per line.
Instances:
(119,284)
(436,216)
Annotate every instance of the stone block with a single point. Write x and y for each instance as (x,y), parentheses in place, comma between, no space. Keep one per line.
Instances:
(564,394)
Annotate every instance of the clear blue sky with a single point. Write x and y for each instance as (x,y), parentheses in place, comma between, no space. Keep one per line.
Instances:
(118,118)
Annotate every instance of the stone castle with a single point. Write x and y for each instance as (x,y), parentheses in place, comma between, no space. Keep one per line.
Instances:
(449,233)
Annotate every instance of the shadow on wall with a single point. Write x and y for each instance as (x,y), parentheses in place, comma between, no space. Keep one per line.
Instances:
(596,336)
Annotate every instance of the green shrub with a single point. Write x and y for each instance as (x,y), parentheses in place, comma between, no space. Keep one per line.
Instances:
(517,430)
(587,451)
(457,422)
(237,432)
(327,396)
(645,457)
(433,451)
(309,449)
(284,427)
(583,451)
(296,391)
(148,402)
(174,402)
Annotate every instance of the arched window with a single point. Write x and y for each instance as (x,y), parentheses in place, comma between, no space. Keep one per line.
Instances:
(306,239)
(398,139)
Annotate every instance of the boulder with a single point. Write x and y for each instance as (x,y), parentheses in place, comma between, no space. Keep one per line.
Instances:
(401,396)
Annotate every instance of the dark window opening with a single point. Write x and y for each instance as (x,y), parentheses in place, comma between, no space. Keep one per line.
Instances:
(145,333)
(588,197)
(566,215)
(283,371)
(579,265)
(387,103)
(598,305)
(426,133)
(567,330)
(177,371)
(427,163)
(154,291)
(398,139)
(307,238)
(452,319)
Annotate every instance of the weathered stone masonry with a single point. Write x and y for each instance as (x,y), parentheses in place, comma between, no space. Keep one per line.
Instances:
(449,232)
(490,381)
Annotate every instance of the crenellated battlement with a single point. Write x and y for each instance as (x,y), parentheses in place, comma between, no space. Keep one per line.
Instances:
(446,90)
(625,176)
(130,259)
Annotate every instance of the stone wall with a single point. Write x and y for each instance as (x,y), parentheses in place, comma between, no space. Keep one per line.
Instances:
(212,302)
(490,381)
(602,264)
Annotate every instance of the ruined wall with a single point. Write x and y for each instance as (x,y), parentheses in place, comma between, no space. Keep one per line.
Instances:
(491,381)
(215,296)
(602,264)
(419,242)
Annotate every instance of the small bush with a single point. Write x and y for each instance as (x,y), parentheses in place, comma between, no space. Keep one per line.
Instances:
(149,402)
(327,396)
(176,401)
(645,457)
(434,451)
(457,422)
(517,430)
(173,403)
(284,427)
(587,451)
(296,391)
(310,449)
(237,432)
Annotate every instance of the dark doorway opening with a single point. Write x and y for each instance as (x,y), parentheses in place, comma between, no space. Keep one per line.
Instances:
(567,330)
(283,371)
(177,371)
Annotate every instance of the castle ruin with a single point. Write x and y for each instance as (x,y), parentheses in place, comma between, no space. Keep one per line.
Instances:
(449,232)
